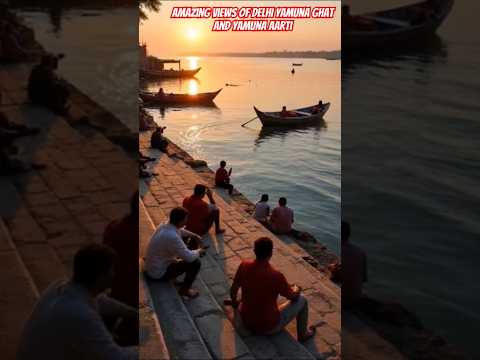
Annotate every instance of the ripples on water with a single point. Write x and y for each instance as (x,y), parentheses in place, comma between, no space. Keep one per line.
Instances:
(301,164)
(411,163)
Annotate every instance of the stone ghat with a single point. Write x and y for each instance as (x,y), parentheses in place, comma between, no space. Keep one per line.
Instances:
(314,252)
(205,321)
(46,215)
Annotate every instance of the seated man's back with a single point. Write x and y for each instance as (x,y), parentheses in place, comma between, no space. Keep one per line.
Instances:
(198,213)
(261,284)
(65,324)
(353,274)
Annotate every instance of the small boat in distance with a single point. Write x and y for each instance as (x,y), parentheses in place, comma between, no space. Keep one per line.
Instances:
(297,64)
(399,27)
(152,98)
(303,116)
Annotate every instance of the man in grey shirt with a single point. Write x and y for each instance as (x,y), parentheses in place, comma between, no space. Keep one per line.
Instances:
(66,322)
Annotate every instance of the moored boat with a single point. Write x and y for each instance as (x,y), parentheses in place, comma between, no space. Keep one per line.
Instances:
(159,74)
(298,117)
(151,98)
(402,26)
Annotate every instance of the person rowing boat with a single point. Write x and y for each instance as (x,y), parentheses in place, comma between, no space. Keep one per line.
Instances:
(318,107)
(287,113)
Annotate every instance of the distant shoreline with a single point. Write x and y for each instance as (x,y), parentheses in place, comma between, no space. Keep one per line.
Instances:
(328,55)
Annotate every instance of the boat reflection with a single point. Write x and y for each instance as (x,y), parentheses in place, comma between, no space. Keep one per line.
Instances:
(267,133)
(435,50)
(152,84)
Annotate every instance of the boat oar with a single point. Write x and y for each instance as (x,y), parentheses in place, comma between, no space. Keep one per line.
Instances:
(250,121)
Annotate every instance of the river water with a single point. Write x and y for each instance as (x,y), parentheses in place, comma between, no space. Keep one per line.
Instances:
(303,164)
(410,159)
(101,54)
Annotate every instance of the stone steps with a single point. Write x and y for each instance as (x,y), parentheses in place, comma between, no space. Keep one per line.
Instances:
(48,214)
(151,342)
(216,322)
(179,331)
(18,294)
(174,181)
(212,317)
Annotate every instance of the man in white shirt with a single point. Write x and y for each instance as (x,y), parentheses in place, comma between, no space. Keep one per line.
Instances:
(168,256)
(66,322)
(262,210)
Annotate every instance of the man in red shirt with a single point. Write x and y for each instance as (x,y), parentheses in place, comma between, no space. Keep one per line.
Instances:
(122,236)
(201,215)
(261,284)
(222,177)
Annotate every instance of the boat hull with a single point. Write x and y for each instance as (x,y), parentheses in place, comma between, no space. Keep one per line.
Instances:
(168,74)
(273,119)
(367,40)
(179,99)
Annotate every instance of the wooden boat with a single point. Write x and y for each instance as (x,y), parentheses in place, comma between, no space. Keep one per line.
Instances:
(397,27)
(303,116)
(151,98)
(161,74)
(297,64)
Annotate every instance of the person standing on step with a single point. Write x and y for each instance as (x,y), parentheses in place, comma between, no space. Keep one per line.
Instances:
(202,215)
(222,177)
(67,321)
(261,284)
(168,257)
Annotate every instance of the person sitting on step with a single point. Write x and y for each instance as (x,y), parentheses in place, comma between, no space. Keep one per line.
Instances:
(261,284)
(282,218)
(158,141)
(262,210)
(67,322)
(45,88)
(122,236)
(202,215)
(354,269)
(168,256)
(222,177)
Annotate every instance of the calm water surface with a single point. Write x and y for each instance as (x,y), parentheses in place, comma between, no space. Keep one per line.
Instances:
(302,165)
(101,57)
(411,163)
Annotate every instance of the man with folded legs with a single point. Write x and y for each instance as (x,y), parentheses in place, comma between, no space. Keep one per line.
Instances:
(168,256)
(261,284)
(202,215)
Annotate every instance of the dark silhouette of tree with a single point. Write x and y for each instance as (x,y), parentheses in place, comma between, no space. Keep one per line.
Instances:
(148,5)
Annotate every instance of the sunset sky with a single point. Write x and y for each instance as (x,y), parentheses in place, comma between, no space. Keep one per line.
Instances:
(165,36)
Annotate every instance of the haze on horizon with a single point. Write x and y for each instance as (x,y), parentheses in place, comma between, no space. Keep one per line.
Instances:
(169,37)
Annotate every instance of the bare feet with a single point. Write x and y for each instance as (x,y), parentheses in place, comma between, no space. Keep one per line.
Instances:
(189,294)
(309,334)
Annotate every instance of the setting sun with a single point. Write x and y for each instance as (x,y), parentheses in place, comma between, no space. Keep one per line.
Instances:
(192,33)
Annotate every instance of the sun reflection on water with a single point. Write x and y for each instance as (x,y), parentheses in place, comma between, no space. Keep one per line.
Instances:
(192,62)
(192,87)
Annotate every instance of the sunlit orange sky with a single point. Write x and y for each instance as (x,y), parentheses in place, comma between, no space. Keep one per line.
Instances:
(165,36)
